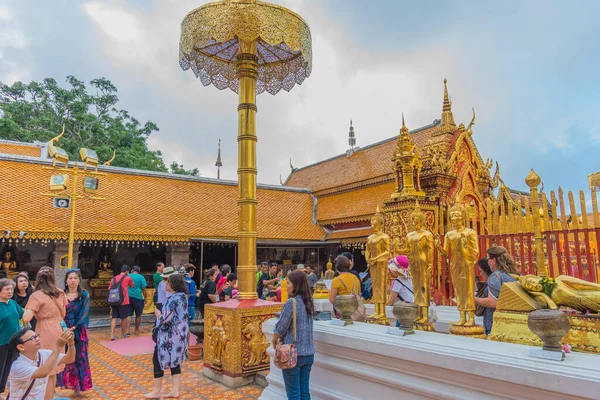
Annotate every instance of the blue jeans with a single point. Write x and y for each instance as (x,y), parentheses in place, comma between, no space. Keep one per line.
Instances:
(296,379)
(191,315)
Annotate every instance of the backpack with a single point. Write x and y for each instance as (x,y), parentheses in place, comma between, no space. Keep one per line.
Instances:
(115,294)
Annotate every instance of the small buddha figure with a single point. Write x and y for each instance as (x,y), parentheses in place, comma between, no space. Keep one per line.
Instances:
(329,274)
(460,244)
(105,268)
(377,254)
(420,254)
(8,264)
(565,291)
(218,341)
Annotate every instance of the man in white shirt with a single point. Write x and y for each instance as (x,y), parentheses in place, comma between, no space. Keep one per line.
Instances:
(29,372)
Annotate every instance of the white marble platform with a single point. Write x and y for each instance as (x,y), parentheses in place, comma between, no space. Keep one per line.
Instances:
(446,316)
(361,361)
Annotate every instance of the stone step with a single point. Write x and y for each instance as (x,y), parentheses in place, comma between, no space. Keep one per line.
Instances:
(261,378)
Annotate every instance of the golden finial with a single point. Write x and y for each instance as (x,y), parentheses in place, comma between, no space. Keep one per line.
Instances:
(57,153)
(532,179)
(447,124)
(219,163)
(447,105)
(107,164)
(470,128)
(280,181)
(291,166)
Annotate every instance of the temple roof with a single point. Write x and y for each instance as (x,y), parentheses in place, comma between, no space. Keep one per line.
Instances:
(366,165)
(148,206)
(355,205)
(20,148)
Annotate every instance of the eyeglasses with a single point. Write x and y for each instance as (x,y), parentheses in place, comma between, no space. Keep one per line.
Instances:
(33,338)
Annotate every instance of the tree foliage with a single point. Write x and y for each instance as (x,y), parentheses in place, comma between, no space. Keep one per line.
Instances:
(37,111)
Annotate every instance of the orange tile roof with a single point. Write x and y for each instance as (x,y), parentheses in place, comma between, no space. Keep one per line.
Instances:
(142,206)
(354,233)
(19,149)
(366,163)
(357,205)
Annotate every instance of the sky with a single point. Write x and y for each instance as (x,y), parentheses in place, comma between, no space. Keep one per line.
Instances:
(529,68)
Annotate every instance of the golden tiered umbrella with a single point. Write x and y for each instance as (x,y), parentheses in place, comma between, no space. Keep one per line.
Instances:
(250,47)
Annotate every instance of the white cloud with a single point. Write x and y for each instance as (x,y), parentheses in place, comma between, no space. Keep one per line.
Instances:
(11,37)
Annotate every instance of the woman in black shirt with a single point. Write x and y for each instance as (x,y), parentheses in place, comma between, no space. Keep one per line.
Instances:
(22,292)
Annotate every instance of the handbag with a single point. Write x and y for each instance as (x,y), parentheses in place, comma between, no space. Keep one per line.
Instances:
(286,355)
(156,328)
(479,309)
(360,315)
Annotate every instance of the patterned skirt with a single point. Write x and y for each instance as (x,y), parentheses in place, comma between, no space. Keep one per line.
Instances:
(77,376)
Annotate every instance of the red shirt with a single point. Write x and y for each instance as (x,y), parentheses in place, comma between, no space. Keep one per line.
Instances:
(127,282)
(220,283)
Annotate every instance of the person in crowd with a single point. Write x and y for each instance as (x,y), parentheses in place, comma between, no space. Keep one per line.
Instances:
(48,306)
(280,288)
(367,292)
(267,279)
(123,311)
(264,268)
(172,339)
(402,288)
(137,297)
(157,279)
(216,267)
(346,282)
(272,296)
(10,314)
(77,375)
(208,293)
(161,289)
(30,374)
(297,379)
(311,276)
(501,265)
(22,292)
(226,292)
(225,271)
(483,291)
(192,293)
(350,257)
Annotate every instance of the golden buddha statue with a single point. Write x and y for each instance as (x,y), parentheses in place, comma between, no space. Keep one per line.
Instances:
(377,253)
(330,273)
(9,265)
(420,253)
(105,269)
(461,246)
(564,291)
(320,290)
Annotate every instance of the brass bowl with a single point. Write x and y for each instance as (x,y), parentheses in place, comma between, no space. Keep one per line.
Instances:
(551,326)
(406,313)
(346,304)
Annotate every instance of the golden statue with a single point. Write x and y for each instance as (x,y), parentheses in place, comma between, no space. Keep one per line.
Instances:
(461,245)
(329,274)
(377,254)
(105,269)
(257,342)
(218,340)
(8,264)
(420,253)
(564,291)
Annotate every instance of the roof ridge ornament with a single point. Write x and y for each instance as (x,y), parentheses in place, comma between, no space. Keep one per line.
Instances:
(447,125)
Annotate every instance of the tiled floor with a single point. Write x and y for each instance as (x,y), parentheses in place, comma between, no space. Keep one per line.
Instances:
(117,377)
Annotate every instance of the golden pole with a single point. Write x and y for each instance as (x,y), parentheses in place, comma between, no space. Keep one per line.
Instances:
(555,225)
(563,213)
(72,224)
(595,208)
(533,180)
(584,221)
(247,72)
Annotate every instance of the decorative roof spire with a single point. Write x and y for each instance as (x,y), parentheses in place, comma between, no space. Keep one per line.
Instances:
(447,125)
(351,137)
(219,163)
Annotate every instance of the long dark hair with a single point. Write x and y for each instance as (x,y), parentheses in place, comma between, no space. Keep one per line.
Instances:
(301,288)
(79,290)
(485,267)
(29,288)
(46,282)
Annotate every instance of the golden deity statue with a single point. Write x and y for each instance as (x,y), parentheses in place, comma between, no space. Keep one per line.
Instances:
(329,274)
(420,253)
(218,340)
(105,269)
(460,244)
(8,264)
(377,254)
(564,291)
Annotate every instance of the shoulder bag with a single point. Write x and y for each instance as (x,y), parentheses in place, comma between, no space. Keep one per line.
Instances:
(286,355)
(361,312)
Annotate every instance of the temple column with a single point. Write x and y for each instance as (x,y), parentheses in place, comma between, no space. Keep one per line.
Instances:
(177,254)
(61,249)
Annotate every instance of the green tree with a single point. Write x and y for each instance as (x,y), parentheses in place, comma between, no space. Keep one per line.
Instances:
(178,169)
(37,111)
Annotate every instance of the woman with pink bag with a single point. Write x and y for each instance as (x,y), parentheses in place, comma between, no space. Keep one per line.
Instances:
(299,305)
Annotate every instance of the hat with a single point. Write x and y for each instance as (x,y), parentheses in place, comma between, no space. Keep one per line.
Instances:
(168,271)
(300,266)
(402,261)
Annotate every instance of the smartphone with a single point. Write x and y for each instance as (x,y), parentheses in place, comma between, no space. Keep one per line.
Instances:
(63,325)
